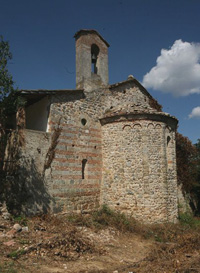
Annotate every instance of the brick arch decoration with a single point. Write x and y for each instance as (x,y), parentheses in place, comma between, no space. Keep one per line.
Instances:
(126,127)
(158,127)
(137,126)
(150,126)
(134,126)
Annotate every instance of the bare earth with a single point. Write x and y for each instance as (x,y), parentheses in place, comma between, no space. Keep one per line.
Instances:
(51,244)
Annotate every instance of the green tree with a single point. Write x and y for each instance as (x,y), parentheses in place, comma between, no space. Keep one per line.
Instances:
(188,169)
(197,184)
(6,82)
(185,156)
(9,102)
(197,145)
(6,89)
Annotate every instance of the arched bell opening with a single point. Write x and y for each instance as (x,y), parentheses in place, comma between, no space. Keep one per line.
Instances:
(94,57)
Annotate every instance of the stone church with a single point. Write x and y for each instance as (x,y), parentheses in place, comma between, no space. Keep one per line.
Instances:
(97,144)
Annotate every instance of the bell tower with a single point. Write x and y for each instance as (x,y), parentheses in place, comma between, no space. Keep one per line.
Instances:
(91,60)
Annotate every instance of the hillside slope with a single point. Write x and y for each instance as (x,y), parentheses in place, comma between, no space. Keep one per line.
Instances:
(104,242)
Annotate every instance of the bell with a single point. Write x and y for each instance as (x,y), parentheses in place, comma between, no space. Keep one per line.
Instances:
(94,58)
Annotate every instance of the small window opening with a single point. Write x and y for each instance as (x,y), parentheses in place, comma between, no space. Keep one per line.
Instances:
(83,121)
(168,140)
(94,57)
(84,162)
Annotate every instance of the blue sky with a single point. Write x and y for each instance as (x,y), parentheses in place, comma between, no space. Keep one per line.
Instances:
(41,33)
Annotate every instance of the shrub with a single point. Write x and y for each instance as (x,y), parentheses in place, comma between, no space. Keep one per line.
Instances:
(188,219)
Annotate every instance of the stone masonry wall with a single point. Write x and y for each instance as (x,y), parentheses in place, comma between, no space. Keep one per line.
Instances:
(127,163)
(81,142)
(140,146)
(135,171)
(170,142)
(76,168)
(29,193)
(83,61)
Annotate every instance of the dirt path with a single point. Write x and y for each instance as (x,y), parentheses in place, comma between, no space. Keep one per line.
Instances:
(120,252)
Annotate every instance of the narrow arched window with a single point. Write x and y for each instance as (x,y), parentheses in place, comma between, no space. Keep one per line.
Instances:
(168,140)
(84,162)
(94,56)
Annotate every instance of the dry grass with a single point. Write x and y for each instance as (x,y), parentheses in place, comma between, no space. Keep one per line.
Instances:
(105,217)
(174,247)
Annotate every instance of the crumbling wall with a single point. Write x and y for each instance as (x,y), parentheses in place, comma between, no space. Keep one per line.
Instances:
(184,202)
(26,189)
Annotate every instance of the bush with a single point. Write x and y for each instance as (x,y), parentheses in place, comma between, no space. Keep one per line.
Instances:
(188,219)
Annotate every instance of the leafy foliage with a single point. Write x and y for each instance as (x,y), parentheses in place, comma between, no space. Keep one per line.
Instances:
(6,88)
(188,168)
(197,145)
(6,82)
(9,102)
(197,167)
(188,219)
(185,153)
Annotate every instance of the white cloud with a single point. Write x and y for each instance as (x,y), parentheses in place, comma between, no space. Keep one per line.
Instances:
(177,70)
(195,112)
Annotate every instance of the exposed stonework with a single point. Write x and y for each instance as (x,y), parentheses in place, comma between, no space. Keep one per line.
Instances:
(115,145)
(138,170)
(91,46)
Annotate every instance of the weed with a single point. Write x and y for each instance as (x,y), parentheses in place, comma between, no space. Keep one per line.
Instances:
(16,253)
(22,220)
(158,239)
(24,242)
(190,220)
(8,268)
(162,233)
(106,217)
